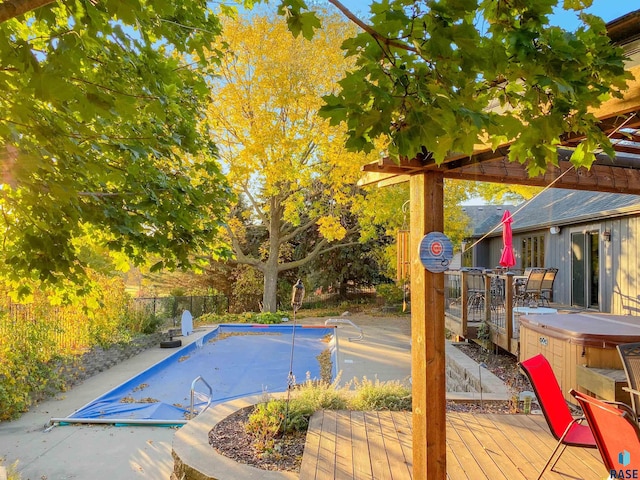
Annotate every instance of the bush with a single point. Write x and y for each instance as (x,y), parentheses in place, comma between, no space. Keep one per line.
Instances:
(40,338)
(265,424)
(26,376)
(264,318)
(391,293)
(380,395)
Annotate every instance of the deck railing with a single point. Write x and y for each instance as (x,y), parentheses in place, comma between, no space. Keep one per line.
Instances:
(486,314)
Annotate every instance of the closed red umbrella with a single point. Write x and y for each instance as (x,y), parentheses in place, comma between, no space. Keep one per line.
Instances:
(507,259)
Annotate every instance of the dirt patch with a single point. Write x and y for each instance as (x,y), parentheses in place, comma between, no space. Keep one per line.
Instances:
(502,365)
(230,438)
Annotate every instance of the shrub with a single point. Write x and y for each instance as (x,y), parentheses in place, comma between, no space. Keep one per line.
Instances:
(41,337)
(313,396)
(265,423)
(265,318)
(268,318)
(391,293)
(27,374)
(379,395)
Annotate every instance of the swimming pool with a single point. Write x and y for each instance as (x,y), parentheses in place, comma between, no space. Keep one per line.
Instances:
(235,360)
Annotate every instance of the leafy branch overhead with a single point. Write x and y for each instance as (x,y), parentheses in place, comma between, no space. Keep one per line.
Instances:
(100,133)
(452,74)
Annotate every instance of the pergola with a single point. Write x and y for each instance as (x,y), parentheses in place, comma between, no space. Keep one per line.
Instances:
(619,118)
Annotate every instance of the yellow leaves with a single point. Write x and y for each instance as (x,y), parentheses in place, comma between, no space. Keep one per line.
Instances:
(120,261)
(331,228)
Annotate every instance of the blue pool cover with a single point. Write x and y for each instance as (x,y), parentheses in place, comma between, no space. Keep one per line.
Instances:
(235,360)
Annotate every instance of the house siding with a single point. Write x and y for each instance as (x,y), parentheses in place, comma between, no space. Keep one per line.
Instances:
(619,265)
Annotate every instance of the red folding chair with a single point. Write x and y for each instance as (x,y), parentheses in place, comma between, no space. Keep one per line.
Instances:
(616,433)
(564,427)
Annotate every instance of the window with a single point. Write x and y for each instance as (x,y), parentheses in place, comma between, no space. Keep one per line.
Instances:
(532,249)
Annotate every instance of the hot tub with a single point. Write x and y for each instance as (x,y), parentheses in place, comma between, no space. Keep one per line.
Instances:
(573,340)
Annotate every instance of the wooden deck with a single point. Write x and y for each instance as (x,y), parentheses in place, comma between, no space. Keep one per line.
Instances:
(377,446)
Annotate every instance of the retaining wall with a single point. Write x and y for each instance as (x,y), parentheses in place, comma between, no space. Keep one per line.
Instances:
(99,359)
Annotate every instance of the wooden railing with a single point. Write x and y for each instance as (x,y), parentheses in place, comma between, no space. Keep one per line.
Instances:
(488,315)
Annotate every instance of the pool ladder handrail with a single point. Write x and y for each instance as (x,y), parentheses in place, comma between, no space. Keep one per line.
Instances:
(192,412)
(359,338)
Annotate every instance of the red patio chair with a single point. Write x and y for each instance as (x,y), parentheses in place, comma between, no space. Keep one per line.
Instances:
(564,427)
(630,356)
(616,433)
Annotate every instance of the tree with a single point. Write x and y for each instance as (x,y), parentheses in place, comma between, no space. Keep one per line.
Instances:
(505,193)
(388,207)
(445,76)
(289,165)
(100,136)
(358,265)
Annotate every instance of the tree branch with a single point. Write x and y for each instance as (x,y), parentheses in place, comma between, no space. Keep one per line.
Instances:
(255,206)
(308,151)
(289,236)
(318,250)
(145,97)
(241,257)
(13,8)
(389,42)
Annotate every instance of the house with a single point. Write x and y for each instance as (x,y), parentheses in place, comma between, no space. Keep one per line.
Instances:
(593,238)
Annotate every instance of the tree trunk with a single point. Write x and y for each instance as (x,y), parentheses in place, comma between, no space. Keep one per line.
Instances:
(270,293)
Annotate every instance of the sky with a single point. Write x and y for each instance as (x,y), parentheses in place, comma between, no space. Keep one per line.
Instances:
(608,10)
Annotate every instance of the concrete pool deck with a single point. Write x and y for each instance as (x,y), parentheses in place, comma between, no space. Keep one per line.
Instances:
(88,451)
(107,452)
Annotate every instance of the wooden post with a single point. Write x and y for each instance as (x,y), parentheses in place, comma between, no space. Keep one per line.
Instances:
(427,334)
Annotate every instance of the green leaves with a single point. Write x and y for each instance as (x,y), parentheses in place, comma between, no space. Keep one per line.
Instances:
(100,133)
(298,21)
(447,75)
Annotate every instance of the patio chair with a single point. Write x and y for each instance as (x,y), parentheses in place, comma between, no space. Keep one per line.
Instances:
(531,291)
(474,283)
(616,433)
(564,427)
(546,287)
(630,355)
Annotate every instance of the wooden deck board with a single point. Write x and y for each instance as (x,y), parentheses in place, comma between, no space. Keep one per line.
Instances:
(360,448)
(325,469)
(497,447)
(468,432)
(377,446)
(460,455)
(512,444)
(375,436)
(399,465)
(311,447)
(344,454)
(539,439)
